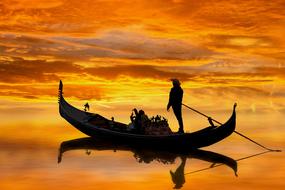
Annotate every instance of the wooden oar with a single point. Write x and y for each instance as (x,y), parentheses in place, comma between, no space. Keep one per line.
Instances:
(234,131)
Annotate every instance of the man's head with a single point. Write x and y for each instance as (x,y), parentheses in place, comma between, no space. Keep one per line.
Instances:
(175,82)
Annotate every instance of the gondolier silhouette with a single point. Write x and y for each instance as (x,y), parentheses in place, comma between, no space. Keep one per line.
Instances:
(178,177)
(175,101)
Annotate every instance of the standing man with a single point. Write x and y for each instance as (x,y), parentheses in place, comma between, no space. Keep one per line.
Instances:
(175,101)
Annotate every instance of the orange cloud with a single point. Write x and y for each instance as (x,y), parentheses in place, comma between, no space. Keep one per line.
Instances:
(31,4)
(119,45)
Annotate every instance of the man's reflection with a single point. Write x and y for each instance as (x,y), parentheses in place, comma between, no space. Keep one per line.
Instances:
(178,176)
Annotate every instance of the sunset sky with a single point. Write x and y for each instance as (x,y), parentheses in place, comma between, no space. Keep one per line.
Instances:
(117,53)
(121,54)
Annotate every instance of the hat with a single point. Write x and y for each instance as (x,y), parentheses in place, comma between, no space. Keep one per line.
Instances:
(175,81)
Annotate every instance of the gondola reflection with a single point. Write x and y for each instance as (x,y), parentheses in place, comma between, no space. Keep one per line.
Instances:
(143,155)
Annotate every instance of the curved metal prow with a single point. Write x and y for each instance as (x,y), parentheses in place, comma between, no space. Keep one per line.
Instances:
(60,92)
(235,105)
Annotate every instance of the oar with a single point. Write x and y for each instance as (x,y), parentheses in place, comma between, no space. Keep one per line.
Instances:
(234,131)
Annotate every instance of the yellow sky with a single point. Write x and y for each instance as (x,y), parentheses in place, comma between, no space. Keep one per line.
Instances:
(116,52)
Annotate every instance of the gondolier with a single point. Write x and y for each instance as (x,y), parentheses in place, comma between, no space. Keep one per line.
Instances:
(175,101)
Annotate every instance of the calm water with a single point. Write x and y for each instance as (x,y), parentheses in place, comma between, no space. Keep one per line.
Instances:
(30,144)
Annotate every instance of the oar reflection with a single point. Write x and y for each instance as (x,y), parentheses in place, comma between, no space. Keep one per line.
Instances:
(220,164)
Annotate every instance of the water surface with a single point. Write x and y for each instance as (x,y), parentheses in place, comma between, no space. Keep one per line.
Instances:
(30,149)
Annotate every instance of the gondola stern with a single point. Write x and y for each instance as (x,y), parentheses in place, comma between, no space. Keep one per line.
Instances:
(231,123)
(234,114)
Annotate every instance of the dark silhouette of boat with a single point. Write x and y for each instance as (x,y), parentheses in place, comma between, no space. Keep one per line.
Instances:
(142,154)
(95,125)
(146,155)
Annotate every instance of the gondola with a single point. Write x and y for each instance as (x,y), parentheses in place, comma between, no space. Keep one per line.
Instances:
(96,126)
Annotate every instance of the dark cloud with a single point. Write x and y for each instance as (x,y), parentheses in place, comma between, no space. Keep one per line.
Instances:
(16,72)
(137,46)
(136,71)
(82,92)
(21,71)
(271,71)
(112,44)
